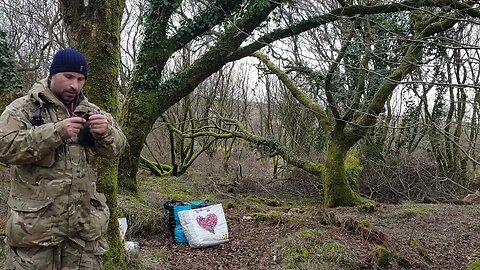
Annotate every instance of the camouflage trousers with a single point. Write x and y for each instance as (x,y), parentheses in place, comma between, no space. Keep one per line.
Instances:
(67,255)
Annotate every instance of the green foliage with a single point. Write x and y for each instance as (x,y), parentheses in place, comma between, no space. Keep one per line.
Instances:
(269,146)
(171,188)
(410,120)
(8,69)
(255,5)
(254,202)
(388,29)
(333,251)
(296,248)
(319,140)
(367,206)
(264,203)
(328,217)
(474,265)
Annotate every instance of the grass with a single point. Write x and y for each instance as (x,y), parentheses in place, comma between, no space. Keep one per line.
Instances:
(313,249)
(148,259)
(143,218)
(410,211)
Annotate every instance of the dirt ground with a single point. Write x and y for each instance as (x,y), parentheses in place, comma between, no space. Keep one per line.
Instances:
(294,233)
(431,236)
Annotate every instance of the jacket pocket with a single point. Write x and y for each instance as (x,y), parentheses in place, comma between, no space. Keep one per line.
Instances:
(97,223)
(29,222)
(47,161)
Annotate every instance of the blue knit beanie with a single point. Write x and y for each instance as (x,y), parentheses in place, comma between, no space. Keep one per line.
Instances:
(69,60)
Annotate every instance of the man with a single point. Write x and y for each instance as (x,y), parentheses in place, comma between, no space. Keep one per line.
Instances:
(50,137)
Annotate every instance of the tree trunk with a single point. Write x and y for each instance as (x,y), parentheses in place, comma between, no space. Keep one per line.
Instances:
(95,31)
(336,189)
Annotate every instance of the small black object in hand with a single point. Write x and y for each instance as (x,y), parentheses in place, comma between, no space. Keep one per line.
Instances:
(84,115)
(85,136)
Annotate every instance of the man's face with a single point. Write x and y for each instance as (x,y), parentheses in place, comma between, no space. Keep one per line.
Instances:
(67,85)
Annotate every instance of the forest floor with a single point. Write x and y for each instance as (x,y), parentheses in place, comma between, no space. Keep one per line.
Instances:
(418,237)
(287,232)
(269,230)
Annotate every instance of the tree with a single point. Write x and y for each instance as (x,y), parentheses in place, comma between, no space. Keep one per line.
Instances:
(34,33)
(148,96)
(9,79)
(94,29)
(147,86)
(337,190)
(226,27)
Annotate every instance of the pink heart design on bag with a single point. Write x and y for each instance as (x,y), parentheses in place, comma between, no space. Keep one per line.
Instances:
(208,223)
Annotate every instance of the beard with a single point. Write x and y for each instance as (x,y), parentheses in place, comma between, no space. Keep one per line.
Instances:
(67,100)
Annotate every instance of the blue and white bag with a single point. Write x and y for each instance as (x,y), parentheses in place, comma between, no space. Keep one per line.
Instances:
(173,208)
(204,226)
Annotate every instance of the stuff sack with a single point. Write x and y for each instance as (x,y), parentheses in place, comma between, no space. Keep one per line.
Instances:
(204,226)
(172,209)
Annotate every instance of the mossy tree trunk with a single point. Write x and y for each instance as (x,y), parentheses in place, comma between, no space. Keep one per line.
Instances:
(336,188)
(94,29)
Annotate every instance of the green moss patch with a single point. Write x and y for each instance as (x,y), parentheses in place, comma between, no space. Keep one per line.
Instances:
(313,249)
(411,211)
(365,223)
(271,217)
(420,248)
(143,218)
(263,203)
(474,266)
(385,257)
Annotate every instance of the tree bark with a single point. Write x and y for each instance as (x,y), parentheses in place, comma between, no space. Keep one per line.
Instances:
(95,31)
(336,189)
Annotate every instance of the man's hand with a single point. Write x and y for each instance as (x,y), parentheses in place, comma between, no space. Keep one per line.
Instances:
(69,128)
(98,124)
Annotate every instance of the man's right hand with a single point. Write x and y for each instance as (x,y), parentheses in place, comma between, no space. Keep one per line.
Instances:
(69,128)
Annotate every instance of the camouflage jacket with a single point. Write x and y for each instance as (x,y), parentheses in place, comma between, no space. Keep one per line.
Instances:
(53,192)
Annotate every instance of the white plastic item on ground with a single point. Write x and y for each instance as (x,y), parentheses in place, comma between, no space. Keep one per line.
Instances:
(204,226)
(131,246)
(123,226)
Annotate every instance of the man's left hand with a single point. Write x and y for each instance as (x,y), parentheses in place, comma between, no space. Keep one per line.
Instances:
(98,124)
